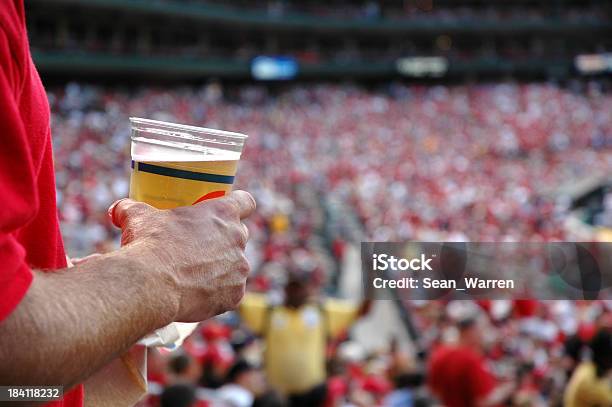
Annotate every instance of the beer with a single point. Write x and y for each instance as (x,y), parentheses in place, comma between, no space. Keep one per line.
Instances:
(168,184)
(176,165)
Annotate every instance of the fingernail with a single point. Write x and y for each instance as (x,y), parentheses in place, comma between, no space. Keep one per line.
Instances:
(112,207)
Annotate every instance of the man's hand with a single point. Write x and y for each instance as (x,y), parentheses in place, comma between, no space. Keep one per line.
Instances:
(198,251)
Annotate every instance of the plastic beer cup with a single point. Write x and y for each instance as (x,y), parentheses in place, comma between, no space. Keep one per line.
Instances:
(178,165)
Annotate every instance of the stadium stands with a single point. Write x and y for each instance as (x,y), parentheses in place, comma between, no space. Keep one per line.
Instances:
(476,162)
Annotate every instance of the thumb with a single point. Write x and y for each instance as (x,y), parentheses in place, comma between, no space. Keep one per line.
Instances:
(244,202)
(124,209)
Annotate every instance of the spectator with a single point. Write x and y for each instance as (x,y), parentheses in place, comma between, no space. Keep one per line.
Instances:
(244,383)
(591,383)
(296,335)
(458,374)
(183,369)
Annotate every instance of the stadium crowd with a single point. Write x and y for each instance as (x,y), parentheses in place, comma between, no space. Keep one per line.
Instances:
(478,162)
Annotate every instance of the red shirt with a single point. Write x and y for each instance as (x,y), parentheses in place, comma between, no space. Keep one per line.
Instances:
(29,229)
(458,375)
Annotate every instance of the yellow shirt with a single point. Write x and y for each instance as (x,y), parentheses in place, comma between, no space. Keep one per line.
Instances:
(296,338)
(585,389)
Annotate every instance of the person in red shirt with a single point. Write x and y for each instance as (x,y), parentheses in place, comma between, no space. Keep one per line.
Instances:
(59,326)
(458,376)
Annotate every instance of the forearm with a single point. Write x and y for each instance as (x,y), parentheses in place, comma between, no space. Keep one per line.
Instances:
(498,396)
(72,322)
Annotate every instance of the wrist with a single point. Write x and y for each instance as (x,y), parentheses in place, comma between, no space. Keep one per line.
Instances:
(159,287)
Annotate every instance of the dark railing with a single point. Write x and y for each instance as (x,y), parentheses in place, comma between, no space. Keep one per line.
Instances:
(297,21)
(192,68)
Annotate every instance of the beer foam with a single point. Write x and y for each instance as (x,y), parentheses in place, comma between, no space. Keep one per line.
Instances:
(146,149)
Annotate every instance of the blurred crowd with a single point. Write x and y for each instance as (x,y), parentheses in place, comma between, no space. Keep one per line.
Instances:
(479,163)
(496,353)
(332,165)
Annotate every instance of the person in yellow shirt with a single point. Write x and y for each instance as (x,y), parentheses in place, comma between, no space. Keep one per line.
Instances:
(591,382)
(296,335)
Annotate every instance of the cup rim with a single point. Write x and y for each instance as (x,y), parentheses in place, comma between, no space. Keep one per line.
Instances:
(184,127)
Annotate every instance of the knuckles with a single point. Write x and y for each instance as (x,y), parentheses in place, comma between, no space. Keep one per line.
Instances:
(130,211)
(225,208)
(240,236)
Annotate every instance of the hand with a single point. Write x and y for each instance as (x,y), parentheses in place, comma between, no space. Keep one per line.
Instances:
(198,251)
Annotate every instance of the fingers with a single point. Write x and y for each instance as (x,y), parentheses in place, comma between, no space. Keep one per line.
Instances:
(244,202)
(246,232)
(121,211)
(239,203)
(242,235)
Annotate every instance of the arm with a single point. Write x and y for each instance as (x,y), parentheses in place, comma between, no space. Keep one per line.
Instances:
(72,322)
(488,392)
(366,303)
(364,308)
(116,383)
(498,396)
(253,312)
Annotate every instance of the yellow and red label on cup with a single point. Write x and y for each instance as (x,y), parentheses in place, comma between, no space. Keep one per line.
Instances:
(167,185)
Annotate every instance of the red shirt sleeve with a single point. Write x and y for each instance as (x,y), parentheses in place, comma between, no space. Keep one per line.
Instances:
(18,197)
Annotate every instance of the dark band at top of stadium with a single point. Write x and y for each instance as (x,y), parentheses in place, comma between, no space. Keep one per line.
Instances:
(176,173)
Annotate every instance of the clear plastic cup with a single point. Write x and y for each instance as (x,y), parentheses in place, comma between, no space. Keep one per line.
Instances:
(177,165)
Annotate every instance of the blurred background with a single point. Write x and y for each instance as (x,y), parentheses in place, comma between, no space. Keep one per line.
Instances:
(386,120)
